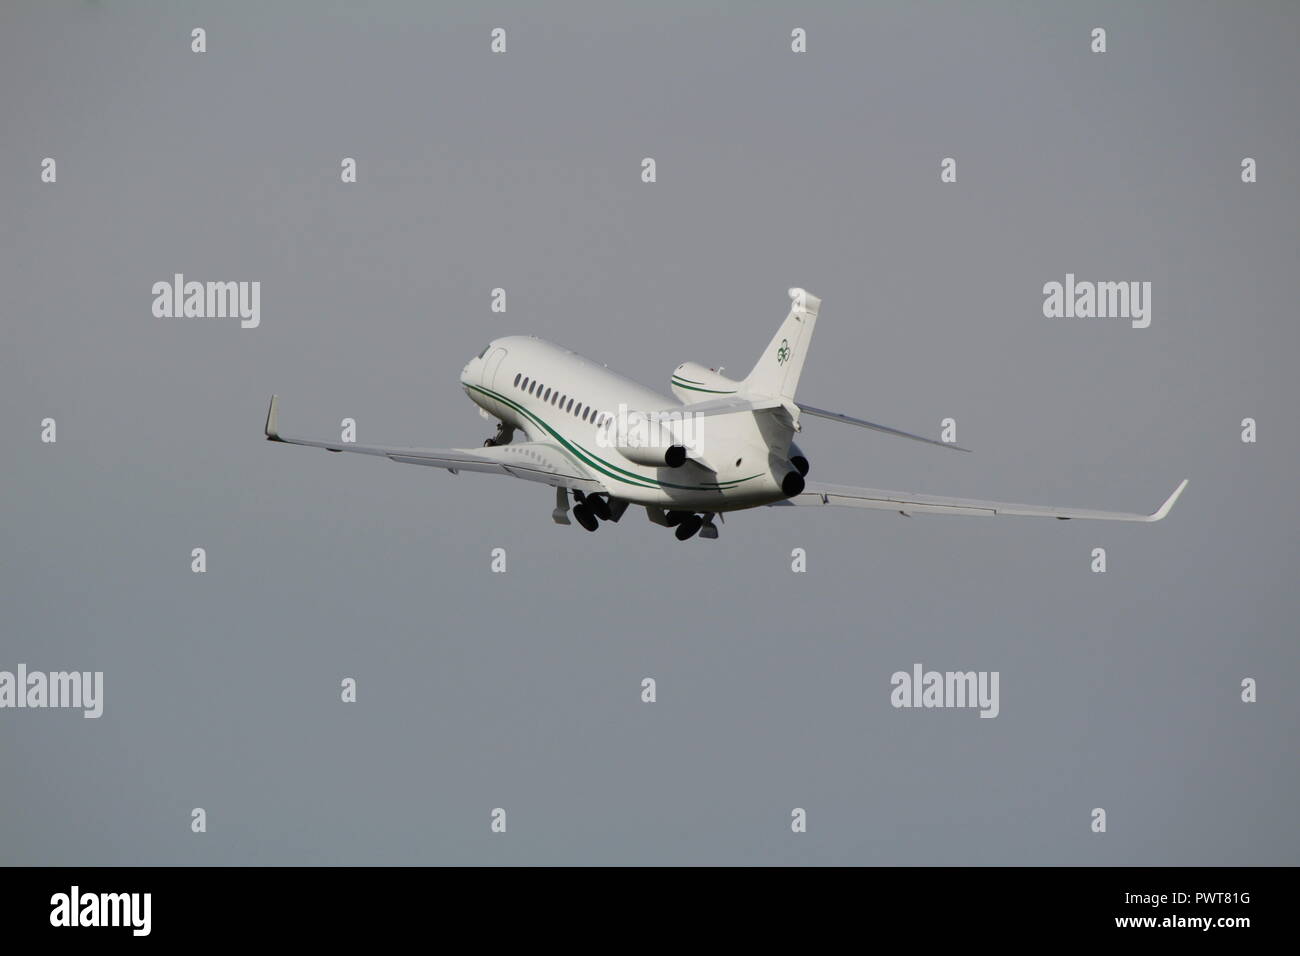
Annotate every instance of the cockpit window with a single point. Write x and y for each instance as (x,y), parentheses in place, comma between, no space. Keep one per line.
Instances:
(485,348)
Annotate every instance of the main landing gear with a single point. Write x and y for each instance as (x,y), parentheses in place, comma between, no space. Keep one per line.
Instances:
(688,523)
(589,510)
(585,517)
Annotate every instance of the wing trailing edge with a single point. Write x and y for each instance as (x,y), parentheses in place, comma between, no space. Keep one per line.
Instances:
(910,503)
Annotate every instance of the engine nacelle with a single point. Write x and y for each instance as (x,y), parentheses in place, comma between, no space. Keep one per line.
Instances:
(692,382)
(799,460)
(792,483)
(672,456)
(648,439)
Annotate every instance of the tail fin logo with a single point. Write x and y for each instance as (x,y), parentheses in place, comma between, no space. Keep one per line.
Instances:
(783,353)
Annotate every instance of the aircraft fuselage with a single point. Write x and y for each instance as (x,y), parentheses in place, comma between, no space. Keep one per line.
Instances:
(553,394)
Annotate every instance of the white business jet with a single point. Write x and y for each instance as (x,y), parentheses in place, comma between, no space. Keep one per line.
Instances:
(724,445)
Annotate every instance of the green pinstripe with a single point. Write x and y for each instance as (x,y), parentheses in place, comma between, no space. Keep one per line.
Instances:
(682,383)
(607,468)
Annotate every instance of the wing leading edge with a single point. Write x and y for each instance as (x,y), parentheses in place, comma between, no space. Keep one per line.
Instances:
(908,504)
(532,461)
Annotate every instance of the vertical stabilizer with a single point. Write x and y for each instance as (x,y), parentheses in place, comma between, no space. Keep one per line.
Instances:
(777,372)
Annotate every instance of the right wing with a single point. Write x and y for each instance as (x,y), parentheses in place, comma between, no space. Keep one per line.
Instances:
(909,504)
(532,461)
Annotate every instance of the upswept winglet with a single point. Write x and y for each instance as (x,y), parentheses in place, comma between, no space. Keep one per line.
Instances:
(272,420)
(1165,508)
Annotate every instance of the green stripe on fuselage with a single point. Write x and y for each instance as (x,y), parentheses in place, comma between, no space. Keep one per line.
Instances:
(602,465)
(681,383)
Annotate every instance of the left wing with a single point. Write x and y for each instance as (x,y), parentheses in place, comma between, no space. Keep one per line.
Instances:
(532,461)
(909,504)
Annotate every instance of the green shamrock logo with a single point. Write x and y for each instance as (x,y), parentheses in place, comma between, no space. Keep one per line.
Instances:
(783,353)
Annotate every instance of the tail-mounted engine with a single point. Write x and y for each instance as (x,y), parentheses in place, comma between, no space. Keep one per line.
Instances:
(692,382)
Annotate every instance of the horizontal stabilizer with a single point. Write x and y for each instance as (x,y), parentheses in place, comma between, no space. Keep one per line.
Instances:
(861,423)
(725,406)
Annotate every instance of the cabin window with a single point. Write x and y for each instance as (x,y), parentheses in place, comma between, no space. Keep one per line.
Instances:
(547,396)
(570,408)
(517,378)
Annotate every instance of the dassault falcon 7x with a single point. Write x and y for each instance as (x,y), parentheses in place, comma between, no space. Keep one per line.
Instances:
(723,445)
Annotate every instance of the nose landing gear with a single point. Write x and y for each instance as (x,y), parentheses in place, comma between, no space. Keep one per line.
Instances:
(505,434)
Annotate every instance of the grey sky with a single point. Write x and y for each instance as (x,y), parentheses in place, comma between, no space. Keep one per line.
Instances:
(479,690)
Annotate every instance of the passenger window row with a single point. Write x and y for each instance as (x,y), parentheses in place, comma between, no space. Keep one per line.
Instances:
(563,402)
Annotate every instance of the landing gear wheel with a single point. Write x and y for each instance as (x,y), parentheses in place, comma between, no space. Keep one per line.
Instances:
(585,517)
(688,526)
(675,518)
(599,507)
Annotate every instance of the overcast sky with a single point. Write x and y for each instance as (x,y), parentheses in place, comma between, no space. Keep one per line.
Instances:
(522,690)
